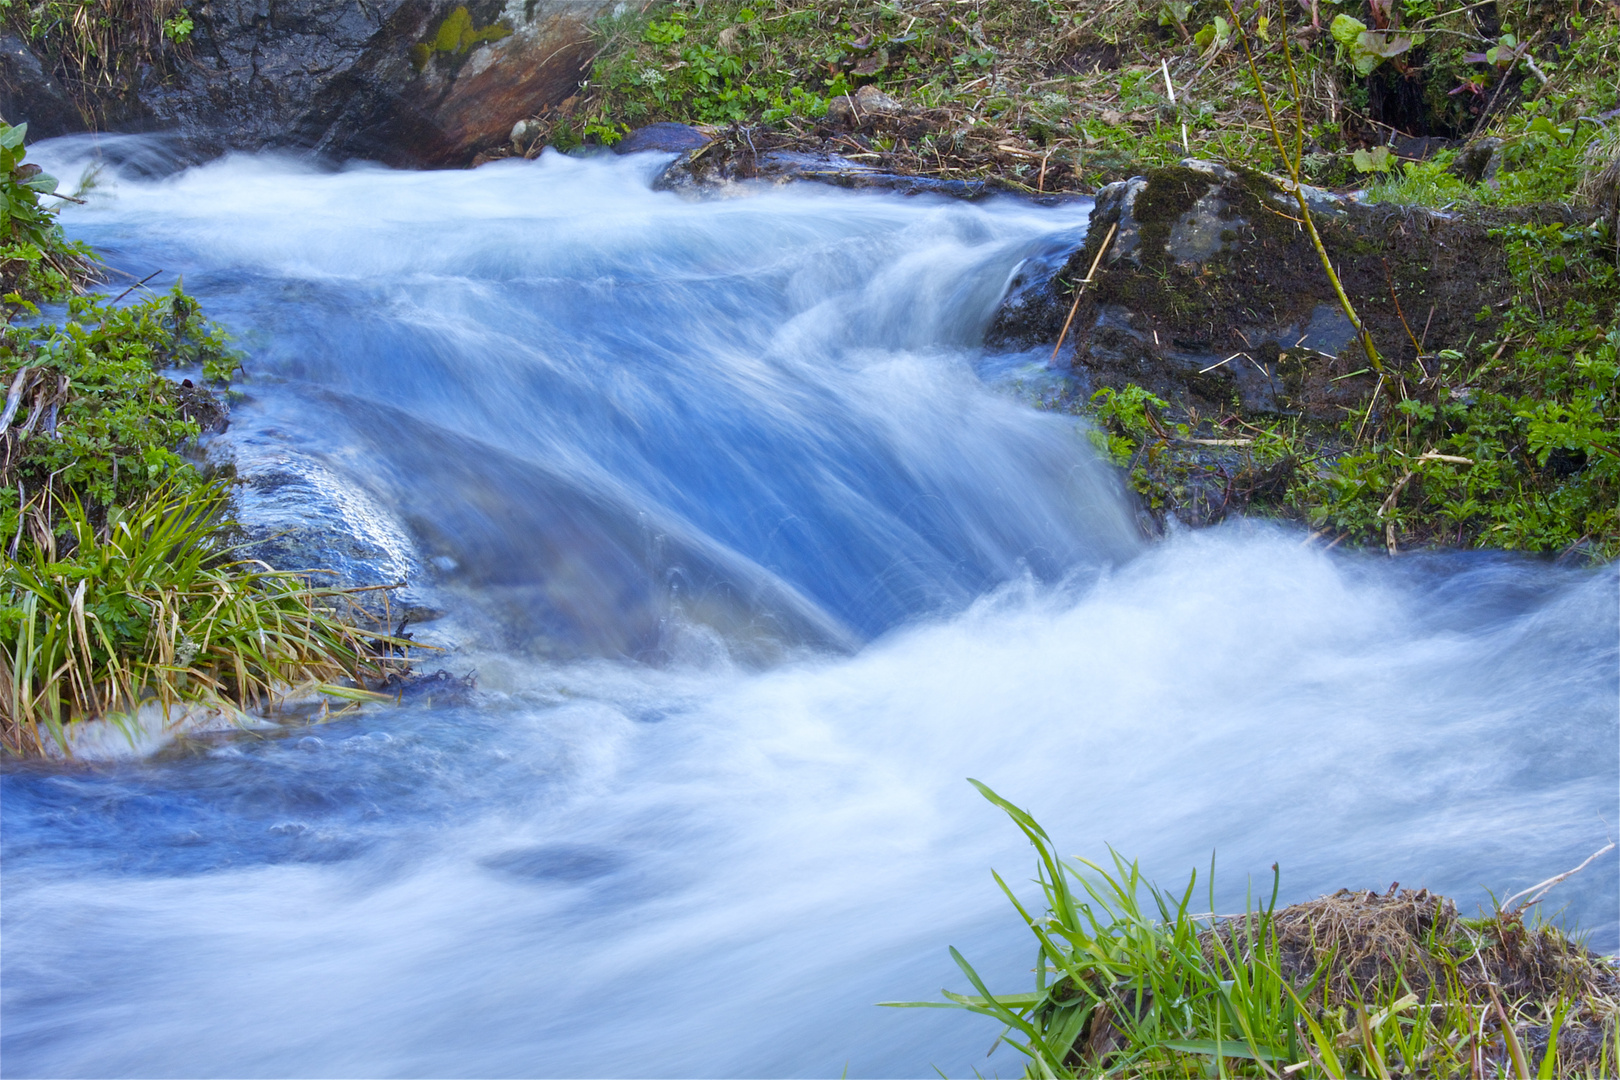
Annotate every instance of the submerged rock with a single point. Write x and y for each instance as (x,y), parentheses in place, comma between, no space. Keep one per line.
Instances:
(664,138)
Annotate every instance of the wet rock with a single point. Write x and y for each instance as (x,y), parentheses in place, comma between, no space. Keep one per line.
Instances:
(1212,295)
(406,82)
(439,688)
(719,165)
(1479,161)
(663,138)
(204,406)
(524,132)
(292,512)
(29,94)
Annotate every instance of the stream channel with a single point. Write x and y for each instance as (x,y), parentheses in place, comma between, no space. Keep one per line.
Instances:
(757,555)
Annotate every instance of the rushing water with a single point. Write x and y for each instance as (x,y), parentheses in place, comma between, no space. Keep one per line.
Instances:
(757,557)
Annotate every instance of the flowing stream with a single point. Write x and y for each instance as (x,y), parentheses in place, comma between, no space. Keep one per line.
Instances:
(757,556)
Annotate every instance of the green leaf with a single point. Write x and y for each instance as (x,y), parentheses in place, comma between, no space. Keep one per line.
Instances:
(1346,30)
(1382,44)
(44,183)
(1378,159)
(1231,1049)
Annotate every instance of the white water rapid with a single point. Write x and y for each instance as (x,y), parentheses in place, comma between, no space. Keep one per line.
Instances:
(757,556)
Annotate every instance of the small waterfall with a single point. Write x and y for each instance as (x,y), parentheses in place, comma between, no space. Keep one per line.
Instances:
(757,556)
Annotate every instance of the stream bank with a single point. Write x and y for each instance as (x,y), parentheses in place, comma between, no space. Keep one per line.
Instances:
(1230,379)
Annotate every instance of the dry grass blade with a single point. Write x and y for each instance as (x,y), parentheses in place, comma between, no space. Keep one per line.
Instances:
(1542,888)
(1080,289)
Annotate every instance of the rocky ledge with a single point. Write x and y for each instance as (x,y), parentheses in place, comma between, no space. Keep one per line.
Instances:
(1212,295)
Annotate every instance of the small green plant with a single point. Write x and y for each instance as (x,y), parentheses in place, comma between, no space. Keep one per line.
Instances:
(1128,979)
(1376,160)
(1131,982)
(178,28)
(1365,49)
(1127,419)
(36,261)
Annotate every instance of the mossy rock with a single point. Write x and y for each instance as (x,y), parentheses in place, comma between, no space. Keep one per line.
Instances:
(1213,295)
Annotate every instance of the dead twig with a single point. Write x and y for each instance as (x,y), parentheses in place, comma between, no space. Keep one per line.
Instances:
(1542,888)
(135,286)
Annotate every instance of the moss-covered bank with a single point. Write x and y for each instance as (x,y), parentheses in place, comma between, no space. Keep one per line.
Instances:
(1230,381)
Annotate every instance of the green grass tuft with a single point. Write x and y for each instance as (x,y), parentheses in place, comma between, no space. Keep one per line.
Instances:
(152,607)
(1130,982)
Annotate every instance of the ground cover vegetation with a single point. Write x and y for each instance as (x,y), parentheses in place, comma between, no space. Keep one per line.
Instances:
(1501,434)
(102,49)
(1131,981)
(118,585)
(1064,95)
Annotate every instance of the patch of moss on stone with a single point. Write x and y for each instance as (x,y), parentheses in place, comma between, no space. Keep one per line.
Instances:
(455,36)
(1169,194)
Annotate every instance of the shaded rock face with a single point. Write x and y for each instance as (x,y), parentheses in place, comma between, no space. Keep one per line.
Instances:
(30,93)
(1212,295)
(405,82)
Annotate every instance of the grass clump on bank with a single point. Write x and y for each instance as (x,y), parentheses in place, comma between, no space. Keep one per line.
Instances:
(118,589)
(151,612)
(1130,982)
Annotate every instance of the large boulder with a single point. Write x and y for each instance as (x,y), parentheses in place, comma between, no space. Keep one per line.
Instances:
(406,82)
(1211,293)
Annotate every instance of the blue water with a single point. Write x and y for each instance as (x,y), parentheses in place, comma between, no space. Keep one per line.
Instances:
(757,556)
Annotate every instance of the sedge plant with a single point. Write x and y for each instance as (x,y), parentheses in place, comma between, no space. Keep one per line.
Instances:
(152,608)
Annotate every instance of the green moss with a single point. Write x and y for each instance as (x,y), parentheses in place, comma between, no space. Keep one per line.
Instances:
(1169,194)
(455,36)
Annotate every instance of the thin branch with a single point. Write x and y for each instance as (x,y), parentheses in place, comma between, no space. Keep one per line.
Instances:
(1544,887)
